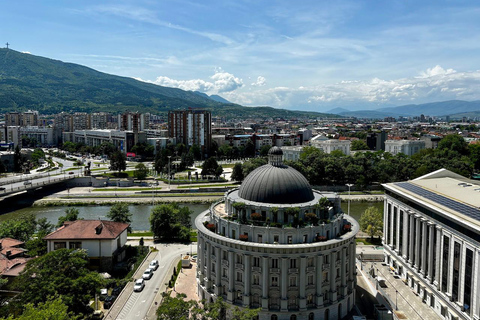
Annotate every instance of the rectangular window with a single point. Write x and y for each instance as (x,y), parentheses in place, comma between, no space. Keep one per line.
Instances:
(274,281)
(75,245)
(239,258)
(446,249)
(304,238)
(435,254)
(59,245)
(293,281)
(225,255)
(326,258)
(293,263)
(467,292)
(274,263)
(400,233)
(256,279)
(394,223)
(275,238)
(289,239)
(225,272)
(310,280)
(256,261)
(456,270)
(260,238)
(310,262)
(239,277)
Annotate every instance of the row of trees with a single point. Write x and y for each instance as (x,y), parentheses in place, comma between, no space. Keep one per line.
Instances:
(365,169)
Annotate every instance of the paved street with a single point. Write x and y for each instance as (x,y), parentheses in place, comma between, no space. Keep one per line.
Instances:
(141,305)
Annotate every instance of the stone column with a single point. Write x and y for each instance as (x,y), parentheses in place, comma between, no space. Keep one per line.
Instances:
(333,275)
(265,284)
(411,235)
(450,266)
(430,252)
(283,283)
(208,263)
(343,276)
(302,272)
(247,277)
(405,235)
(351,257)
(218,271)
(385,222)
(417,243)
(319,276)
(397,231)
(423,267)
(201,259)
(438,259)
(391,230)
(231,276)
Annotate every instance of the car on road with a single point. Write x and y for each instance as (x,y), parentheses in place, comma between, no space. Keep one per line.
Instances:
(27,182)
(2,188)
(147,274)
(154,264)
(71,172)
(139,285)
(108,302)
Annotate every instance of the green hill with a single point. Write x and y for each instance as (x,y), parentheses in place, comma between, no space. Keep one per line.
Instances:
(51,86)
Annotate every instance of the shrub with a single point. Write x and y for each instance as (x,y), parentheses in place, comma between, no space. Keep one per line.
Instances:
(211,227)
(243,237)
(256,216)
(321,238)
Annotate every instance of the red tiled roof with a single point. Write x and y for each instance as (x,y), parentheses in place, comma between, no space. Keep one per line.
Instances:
(89,229)
(9,242)
(12,267)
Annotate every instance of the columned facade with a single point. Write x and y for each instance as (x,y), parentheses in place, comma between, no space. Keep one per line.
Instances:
(440,232)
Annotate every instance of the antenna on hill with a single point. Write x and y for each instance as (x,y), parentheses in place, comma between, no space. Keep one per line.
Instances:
(7,44)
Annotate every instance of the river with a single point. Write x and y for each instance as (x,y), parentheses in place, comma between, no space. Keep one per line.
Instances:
(141,213)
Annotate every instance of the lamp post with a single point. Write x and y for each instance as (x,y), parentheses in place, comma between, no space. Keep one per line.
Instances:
(349,185)
(396,305)
(169,172)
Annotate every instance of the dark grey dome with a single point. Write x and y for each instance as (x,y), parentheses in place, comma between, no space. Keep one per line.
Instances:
(275,151)
(276,184)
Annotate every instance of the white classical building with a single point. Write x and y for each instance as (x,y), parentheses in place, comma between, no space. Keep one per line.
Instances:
(407,147)
(277,245)
(329,145)
(292,153)
(432,240)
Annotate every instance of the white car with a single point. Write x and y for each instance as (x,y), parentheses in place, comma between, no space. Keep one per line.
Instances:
(147,274)
(153,265)
(139,285)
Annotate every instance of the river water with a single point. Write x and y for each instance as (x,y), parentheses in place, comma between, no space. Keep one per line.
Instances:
(141,213)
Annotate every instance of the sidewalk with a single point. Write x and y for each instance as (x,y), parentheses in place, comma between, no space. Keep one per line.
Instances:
(398,293)
(187,283)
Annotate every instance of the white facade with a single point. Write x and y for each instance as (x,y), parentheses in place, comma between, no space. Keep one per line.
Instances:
(331,145)
(407,147)
(123,140)
(292,153)
(432,240)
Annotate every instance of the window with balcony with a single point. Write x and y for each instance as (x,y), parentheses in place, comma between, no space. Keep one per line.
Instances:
(239,276)
(239,258)
(293,263)
(274,263)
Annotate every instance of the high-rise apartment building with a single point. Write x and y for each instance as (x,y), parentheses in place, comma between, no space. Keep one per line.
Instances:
(191,127)
(64,121)
(99,120)
(22,119)
(81,121)
(134,121)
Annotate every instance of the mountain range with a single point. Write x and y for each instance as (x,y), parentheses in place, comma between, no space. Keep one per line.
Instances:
(452,108)
(51,86)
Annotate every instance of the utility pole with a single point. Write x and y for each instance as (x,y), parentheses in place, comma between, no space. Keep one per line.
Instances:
(7,44)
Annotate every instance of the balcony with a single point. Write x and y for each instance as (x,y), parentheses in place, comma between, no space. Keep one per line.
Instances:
(326,266)
(256,269)
(310,269)
(239,266)
(293,270)
(274,270)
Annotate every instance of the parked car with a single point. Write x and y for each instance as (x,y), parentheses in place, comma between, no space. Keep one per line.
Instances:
(71,172)
(154,265)
(27,182)
(147,274)
(108,302)
(117,290)
(139,285)
(2,188)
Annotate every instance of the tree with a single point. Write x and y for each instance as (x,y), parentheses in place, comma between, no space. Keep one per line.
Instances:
(237,172)
(474,149)
(252,164)
(119,212)
(454,142)
(175,308)
(170,222)
(118,161)
(371,222)
(140,172)
(21,228)
(250,149)
(210,167)
(36,246)
(62,273)
(264,150)
(17,160)
(358,145)
(52,309)
(71,214)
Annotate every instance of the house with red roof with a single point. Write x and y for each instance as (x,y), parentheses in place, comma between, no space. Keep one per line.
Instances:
(103,240)
(12,257)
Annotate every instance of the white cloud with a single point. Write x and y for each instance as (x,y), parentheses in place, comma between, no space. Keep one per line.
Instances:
(222,82)
(260,82)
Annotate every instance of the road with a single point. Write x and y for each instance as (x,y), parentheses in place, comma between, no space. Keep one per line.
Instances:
(138,305)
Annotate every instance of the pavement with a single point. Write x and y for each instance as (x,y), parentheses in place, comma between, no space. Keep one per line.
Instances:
(187,283)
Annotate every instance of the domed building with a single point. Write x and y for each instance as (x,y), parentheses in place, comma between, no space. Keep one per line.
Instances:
(276,244)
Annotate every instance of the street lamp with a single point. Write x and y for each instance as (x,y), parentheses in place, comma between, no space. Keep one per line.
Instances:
(169,172)
(349,185)
(396,305)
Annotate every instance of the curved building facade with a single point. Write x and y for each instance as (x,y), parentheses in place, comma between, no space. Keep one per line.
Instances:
(276,244)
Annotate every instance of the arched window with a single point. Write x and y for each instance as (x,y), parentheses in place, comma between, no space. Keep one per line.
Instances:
(274,317)
(311,316)
(293,317)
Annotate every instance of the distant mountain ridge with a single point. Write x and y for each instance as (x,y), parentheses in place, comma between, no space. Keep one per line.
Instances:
(443,108)
(52,86)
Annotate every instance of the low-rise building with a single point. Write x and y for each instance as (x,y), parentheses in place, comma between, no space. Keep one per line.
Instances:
(103,240)
(407,147)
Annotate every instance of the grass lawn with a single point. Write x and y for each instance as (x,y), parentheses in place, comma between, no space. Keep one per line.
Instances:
(208,186)
(362,192)
(124,189)
(141,234)
(73,168)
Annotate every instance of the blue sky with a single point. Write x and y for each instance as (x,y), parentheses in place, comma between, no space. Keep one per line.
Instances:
(309,55)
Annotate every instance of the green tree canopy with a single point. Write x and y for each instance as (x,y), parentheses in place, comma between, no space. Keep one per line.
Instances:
(371,222)
(210,167)
(358,145)
(120,212)
(52,309)
(118,161)
(237,172)
(140,172)
(62,273)
(71,214)
(21,228)
(170,222)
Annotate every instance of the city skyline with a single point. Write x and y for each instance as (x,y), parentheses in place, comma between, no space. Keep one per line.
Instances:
(309,56)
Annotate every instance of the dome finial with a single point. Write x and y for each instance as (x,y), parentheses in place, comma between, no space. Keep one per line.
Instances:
(275,156)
